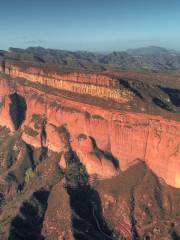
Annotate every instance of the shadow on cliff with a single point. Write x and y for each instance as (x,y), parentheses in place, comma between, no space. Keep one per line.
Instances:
(175,236)
(87,219)
(174,95)
(105,154)
(18,109)
(28,223)
(149,94)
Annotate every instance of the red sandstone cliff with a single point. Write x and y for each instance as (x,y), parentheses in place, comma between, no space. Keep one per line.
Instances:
(127,136)
(92,84)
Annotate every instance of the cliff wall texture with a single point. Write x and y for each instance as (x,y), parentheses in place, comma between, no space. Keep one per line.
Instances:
(97,134)
(91,84)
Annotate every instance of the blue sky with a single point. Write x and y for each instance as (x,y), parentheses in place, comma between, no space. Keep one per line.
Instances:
(93,25)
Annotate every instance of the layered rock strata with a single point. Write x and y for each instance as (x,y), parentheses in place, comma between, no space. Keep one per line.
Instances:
(126,137)
(91,84)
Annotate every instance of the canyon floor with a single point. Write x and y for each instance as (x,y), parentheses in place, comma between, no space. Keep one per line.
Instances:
(83,167)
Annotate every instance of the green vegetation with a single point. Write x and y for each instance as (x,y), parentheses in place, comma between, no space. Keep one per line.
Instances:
(2,103)
(38,120)
(31,132)
(76,175)
(97,117)
(2,200)
(10,178)
(148,213)
(3,223)
(29,174)
(140,238)
(169,227)
(82,137)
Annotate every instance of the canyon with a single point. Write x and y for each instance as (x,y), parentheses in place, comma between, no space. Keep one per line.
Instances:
(121,134)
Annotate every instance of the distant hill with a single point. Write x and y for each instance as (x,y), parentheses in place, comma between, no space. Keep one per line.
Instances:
(152,58)
(151,50)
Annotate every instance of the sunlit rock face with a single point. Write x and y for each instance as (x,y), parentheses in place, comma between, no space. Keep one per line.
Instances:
(57,140)
(98,136)
(95,161)
(5,118)
(92,84)
(13,111)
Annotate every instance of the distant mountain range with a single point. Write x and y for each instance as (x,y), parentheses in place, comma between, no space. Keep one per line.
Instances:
(151,50)
(152,58)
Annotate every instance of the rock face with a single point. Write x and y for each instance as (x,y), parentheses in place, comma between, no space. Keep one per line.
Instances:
(57,224)
(5,119)
(95,162)
(98,136)
(145,208)
(91,84)
(76,166)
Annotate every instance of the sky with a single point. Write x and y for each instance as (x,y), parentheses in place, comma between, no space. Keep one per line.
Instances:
(90,25)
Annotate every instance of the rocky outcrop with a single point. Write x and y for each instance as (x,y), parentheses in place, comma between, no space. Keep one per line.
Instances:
(56,138)
(5,118)
(91,84)
(57,222)
(126,136)
(136,204)
(95,161)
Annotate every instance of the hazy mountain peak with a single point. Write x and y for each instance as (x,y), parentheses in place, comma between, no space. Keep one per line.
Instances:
(150,50)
